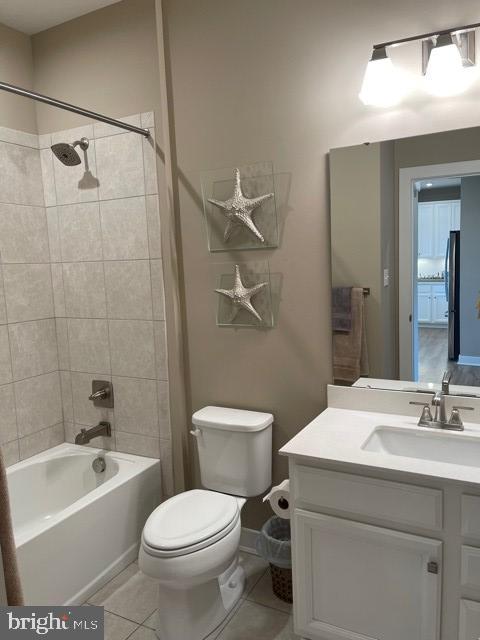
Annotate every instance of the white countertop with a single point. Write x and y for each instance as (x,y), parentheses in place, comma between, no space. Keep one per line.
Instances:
(337,435)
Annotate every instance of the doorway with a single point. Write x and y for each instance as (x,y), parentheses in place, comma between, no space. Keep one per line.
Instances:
(430,273)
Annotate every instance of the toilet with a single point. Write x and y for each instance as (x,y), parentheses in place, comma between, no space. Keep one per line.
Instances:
(190,542)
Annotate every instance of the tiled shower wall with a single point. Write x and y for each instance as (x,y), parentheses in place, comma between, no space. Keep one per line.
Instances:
(107,284)
(30,401)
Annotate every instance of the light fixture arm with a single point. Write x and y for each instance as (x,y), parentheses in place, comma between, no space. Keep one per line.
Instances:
(426,36)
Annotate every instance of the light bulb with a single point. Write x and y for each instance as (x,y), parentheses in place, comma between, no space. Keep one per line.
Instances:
(382,85)
(445,75)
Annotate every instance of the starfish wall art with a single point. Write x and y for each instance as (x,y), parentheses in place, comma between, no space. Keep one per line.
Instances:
(239,210)
(241,296)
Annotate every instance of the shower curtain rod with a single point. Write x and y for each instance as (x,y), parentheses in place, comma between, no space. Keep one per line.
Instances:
(71,107)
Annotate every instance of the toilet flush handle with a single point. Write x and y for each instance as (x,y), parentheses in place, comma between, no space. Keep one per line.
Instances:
(196,432)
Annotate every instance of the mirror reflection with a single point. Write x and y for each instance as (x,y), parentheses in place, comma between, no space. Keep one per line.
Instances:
(405,239)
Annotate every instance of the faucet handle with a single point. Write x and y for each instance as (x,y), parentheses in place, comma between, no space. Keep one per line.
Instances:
(426,416)
(455,417)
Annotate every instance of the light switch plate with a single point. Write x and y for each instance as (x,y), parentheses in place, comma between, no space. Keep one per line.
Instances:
(386,277)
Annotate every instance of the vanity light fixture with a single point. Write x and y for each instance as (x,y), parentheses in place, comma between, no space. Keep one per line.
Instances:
(382,86)
(445,56)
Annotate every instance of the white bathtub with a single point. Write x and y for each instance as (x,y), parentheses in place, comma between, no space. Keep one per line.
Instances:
(74,528)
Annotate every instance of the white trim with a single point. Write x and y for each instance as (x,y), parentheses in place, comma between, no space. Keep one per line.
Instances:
(472,361)
(247,540)
(406,242)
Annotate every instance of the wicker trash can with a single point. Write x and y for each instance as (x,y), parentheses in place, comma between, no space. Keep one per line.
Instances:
(274,545)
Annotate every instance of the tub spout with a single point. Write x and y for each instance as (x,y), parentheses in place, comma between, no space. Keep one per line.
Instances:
(102,429)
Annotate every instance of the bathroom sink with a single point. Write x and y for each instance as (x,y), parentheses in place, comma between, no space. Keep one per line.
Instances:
(452,448)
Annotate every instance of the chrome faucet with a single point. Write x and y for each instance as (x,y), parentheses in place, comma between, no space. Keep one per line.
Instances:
(102,429)
(439,419)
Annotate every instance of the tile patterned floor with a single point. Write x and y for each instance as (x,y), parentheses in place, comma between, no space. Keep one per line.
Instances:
(130,602)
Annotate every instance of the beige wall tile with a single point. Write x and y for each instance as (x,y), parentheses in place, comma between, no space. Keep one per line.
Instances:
(124,229)
(5,360)
(62,343)
(120,166)
(67,396)
(8,416)
(10,452)
(153,224)
(149,163)
(158,294)
(88,343)
(53,234)
(41,441)
(34,348)
(23,234)
(38,402)
(136,406)
(21,174)
(28,292)
(84,286)
(129,292)
(58,290)
(132,348)
(46,161)
(3,308)
(137,444)
(79,230)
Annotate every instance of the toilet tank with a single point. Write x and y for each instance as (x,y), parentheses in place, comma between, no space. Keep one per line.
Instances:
(234,450)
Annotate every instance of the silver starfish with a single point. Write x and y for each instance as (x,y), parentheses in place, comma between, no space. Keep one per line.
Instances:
(240,295)
(239,210)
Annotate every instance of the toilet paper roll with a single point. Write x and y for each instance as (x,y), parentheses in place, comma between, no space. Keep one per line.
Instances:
(279,498)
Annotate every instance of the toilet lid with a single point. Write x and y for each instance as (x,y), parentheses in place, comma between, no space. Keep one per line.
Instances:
(189,518)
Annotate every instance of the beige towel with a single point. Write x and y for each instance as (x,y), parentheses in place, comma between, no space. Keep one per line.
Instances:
(350,356)
(7,544)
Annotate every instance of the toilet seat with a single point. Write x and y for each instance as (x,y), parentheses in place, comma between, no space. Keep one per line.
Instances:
(188,522)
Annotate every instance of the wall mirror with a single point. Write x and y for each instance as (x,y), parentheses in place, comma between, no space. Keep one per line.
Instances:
(405,228)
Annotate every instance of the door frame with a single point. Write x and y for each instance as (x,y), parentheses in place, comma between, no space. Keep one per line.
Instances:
(407,242)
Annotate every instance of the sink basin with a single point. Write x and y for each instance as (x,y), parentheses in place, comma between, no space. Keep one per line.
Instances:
(434,446)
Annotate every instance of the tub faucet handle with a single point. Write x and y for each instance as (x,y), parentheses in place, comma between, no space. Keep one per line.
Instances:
(102,394)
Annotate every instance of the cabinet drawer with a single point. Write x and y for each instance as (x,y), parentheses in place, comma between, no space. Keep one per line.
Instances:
(469,620)
(471,516)
(357,495)
(470,573)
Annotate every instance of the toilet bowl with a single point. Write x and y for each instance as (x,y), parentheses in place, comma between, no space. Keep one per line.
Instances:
(190,542)
(190,546)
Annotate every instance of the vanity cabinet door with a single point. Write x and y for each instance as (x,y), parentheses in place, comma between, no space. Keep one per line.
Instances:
(354,581)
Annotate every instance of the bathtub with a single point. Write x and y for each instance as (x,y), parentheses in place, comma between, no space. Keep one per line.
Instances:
(75,528)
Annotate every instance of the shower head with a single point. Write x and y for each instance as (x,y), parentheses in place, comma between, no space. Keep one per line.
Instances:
(66,152)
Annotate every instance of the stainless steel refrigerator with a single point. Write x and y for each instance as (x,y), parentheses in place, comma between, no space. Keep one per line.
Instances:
(452,292)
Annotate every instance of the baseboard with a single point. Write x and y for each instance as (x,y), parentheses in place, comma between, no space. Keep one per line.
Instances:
(247,540)
(472,361)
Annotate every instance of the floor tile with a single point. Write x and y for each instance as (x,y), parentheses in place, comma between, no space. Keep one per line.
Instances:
(263,594)
(131,595)
(151,621)
(117,628)
(254,567)
(256,622)
(143,633)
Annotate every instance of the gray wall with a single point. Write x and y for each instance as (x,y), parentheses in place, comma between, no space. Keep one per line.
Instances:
(17,68)
(470,275)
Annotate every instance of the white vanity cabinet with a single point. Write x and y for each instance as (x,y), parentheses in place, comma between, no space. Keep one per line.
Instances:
(358,581)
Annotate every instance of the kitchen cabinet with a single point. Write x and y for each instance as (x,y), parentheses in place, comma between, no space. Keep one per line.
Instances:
(432,305)
(435,221)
